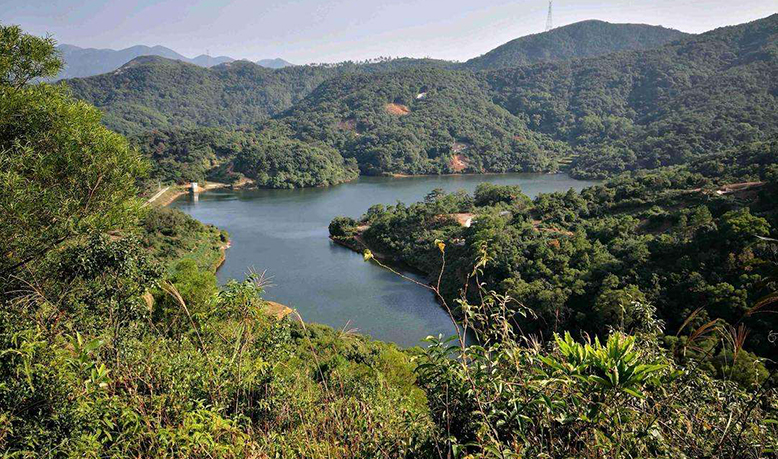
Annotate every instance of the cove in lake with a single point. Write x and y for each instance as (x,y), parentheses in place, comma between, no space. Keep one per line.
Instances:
(284,232)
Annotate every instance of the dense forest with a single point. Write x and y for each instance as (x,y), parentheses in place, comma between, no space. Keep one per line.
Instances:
(117,341)
(151,92)
(418,121)
(644,107)
(683,239)
(229,156)
(575,41)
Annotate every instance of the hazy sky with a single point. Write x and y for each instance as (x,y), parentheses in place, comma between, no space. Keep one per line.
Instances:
(303,31)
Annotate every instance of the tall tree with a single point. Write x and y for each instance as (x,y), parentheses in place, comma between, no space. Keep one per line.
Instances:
(62,174)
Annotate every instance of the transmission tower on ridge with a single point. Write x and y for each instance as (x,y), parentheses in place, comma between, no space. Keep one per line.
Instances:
(549,21)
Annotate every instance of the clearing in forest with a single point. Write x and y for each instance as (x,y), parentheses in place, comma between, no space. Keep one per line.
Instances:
(397,109)
(458,163)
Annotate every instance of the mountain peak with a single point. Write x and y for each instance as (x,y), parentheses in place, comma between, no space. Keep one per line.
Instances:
(583,39)
(276,63)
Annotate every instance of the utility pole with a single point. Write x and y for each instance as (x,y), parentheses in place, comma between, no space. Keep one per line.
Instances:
(549,21)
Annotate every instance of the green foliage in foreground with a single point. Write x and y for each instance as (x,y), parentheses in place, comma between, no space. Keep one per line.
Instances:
(215,376)
(62,174)
(620,398)
(104,353)
(171,235)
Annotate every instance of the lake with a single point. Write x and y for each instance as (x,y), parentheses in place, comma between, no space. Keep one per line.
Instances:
(284,232)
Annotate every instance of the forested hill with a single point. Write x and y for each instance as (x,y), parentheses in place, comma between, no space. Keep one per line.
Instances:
(622,111)
(152,92)
(420,121)
(579,40)
(157,93)
(644,109)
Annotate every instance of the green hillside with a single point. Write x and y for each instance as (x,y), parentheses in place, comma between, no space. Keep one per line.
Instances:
(623,111)
(152,92)
(632,320)
(644,109)
(417,121)
(580,40)
(420,121)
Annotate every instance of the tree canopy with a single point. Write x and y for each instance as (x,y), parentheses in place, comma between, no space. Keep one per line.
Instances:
(63,174)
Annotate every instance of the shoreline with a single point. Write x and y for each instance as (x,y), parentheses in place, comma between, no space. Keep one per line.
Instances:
(357,244)
(223,255)
(169,196)
(466,174)
(173,192)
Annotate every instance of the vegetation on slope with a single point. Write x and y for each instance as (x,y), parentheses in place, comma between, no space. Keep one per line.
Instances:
(180,156)
(622,111)
(104,354)
(155,93)
(171,236)
(152,92)
(642,110)
(416,122)
(268,159)
(679,238)
(575,41)
(422,121)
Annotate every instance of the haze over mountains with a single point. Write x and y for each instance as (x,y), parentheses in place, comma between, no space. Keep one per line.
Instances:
(605,97)
(84,62)
(143,90)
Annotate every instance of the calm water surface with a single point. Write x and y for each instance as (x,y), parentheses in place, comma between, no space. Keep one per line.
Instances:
(284,232)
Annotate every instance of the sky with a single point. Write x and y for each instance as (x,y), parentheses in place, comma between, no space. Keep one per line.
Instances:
(315,31)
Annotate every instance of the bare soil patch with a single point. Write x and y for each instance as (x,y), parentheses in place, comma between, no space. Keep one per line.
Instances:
(458,163)
(397,109)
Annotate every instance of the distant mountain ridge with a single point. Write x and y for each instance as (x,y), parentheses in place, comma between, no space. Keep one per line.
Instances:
(86,62)
(628,110)
(153,92)
(584,39)
(150,93)
(276,63)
